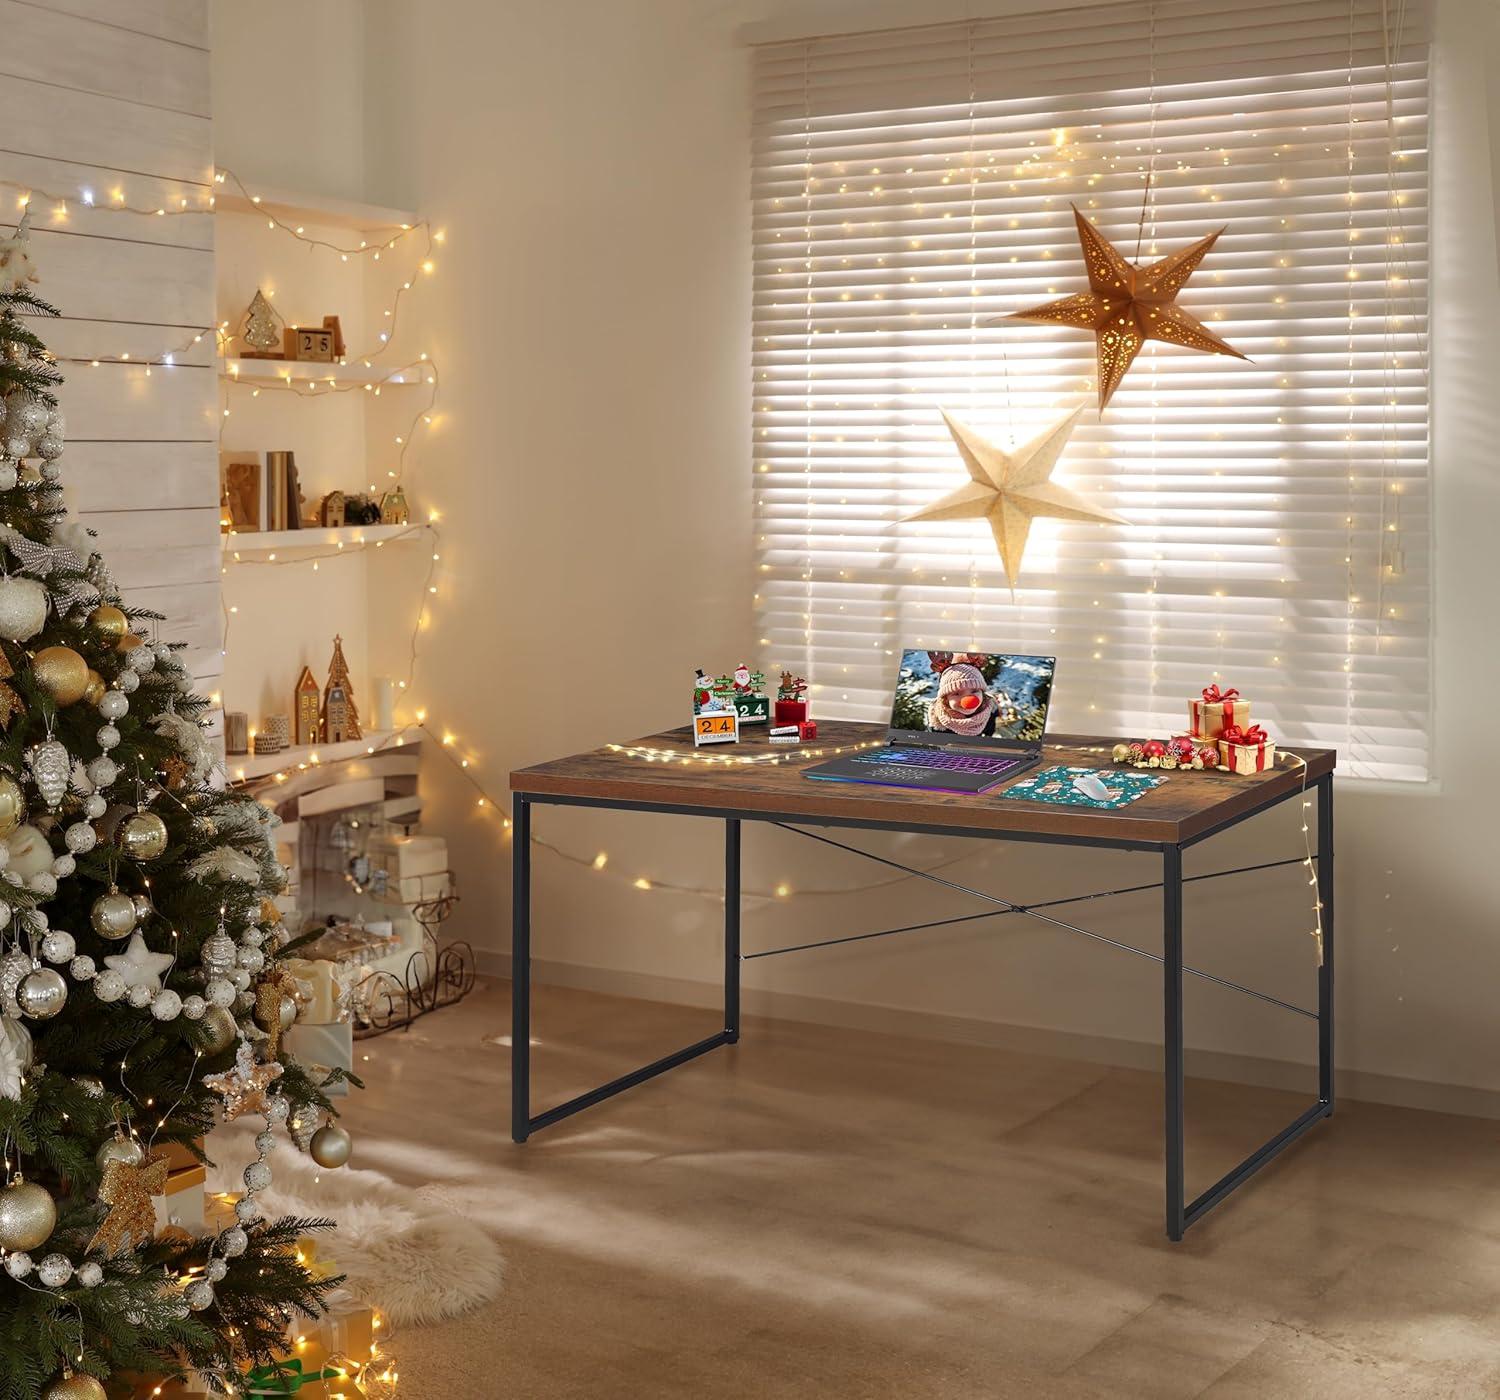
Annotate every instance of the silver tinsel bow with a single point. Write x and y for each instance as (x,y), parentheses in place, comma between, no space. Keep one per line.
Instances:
(49,562)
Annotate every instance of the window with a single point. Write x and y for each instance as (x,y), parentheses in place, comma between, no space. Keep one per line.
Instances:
(912,186)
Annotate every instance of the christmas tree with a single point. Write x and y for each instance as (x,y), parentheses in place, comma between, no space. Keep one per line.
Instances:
(141,992)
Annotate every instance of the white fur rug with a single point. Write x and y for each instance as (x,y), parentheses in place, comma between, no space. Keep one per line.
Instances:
(416,1262)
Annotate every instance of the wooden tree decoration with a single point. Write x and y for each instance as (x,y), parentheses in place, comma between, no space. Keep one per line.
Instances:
(340,717)
(305,709)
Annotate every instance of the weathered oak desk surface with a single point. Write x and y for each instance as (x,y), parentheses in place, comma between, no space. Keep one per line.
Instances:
(664,773)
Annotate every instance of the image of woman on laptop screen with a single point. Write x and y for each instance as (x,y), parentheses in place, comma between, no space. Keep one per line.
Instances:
(972,694)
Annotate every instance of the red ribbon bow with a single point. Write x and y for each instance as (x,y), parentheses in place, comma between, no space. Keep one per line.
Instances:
(1212,695)
(1253,735)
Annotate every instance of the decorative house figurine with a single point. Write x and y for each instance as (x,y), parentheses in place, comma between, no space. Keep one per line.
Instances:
(331,510)
(305,708)
(340,717)
(393,508)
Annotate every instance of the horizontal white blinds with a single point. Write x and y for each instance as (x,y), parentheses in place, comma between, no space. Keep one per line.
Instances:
(911,186)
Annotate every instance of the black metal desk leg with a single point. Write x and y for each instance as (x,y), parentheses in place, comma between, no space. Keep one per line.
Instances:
(520,972)
(1172,1033)
(1325,969)
(731,930)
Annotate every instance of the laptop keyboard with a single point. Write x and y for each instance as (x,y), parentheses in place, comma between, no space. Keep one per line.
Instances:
(950,762)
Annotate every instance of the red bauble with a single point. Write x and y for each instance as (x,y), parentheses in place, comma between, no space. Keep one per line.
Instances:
(1181,748)
(1210,756)
(1153,748)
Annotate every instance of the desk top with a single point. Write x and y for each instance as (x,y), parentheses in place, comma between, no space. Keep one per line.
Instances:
(665,771)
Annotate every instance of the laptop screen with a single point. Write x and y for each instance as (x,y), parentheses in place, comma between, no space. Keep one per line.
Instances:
(973,696)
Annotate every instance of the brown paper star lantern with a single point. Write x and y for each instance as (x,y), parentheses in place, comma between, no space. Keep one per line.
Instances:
(1127,305)
(1010,489)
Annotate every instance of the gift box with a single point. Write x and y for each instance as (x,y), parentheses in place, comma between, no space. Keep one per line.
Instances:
(322,1046)
(1217,711)
(403,857)
(1249,750)
(791,711)
(182,1205)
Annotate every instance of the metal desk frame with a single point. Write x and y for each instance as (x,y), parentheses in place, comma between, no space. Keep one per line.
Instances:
(1180,1213)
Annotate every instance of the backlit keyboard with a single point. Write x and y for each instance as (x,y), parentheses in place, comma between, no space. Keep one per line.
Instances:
(935,758)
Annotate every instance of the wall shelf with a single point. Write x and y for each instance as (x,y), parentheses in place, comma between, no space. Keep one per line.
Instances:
(294,208)
(314,539)
(247,767)
(238,369)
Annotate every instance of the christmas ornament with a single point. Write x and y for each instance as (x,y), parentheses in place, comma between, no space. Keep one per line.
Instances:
(18,1265)
(113,915)
(1009,489)
(55,1270)
(199,1294)
(243,1087)
(16,269)
(113,705)
(109,622)
(58,946)
(11,704)
(107,737)
(176,772)
(193,746)
(219,991)
(15,1056)
(142,836)
(101,772)
(218,1030)
(139,966)
(1127,305)
(166,1005)
(74,1385)
(1208,754)
(23,608)
(127,1191)
(62,673)
(330,1146)
(143,910)
(80,838)
(233,1242)
(224,863)
(120,1148)
(42,993)
(93,692)
(51,769)
(109,986)
(12,804)
(82,968)
(27,1214)
(89,1274)
(260,331)
(1120,752)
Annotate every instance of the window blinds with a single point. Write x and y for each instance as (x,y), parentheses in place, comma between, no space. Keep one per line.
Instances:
(912,186)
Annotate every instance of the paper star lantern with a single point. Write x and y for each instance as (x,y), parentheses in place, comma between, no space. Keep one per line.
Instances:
(243,1087)
(138,965)
(127,1191)
(1010,489)
(1127,305)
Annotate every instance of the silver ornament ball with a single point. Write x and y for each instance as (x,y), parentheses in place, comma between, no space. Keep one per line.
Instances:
(199,1294)
(139,996)
(120,1148)
(23,606)
(166,1005)
(82,968)
(27,1215)
(94,807)
(59,946)
(215,1269)
(113,915)
(330,1146)
(257,1176)
(55,1270)
(193,1006)
(41,993)
(233,1242)
(102,771)
(143,909)
(19,1264)
(89,1274)
(109,985)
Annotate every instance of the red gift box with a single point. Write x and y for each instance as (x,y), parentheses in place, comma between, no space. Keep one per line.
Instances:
(791,711)
(1249,750)
(1217,711)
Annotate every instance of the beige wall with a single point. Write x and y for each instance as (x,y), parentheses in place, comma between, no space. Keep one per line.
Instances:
(592,317)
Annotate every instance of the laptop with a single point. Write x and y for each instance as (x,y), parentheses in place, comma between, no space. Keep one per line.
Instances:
(961,721)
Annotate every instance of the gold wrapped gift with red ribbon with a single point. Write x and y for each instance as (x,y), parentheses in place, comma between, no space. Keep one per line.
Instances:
(1249,750)
(1217,711)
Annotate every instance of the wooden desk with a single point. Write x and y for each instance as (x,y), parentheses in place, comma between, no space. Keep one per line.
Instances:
(756,781)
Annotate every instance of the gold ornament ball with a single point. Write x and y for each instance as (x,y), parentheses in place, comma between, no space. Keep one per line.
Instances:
(109,620)
(94,691)
(330,1146)
(142,836)
(27,1215)
(74,1386)
(113,915)
(269,913)
(12,805)
(120,1149)
(129,642)
(62,673)
(218,1028)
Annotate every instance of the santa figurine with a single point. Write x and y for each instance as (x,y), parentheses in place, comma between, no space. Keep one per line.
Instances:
(962,704)
(742,680)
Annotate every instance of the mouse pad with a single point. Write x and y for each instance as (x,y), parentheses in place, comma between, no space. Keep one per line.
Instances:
(1056,785)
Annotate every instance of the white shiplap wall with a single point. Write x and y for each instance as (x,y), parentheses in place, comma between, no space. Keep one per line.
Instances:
(112,96)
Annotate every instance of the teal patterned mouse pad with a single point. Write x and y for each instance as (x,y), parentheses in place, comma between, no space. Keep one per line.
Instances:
(1056,785)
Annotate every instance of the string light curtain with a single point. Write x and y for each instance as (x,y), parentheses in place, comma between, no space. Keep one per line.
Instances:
(912,186)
